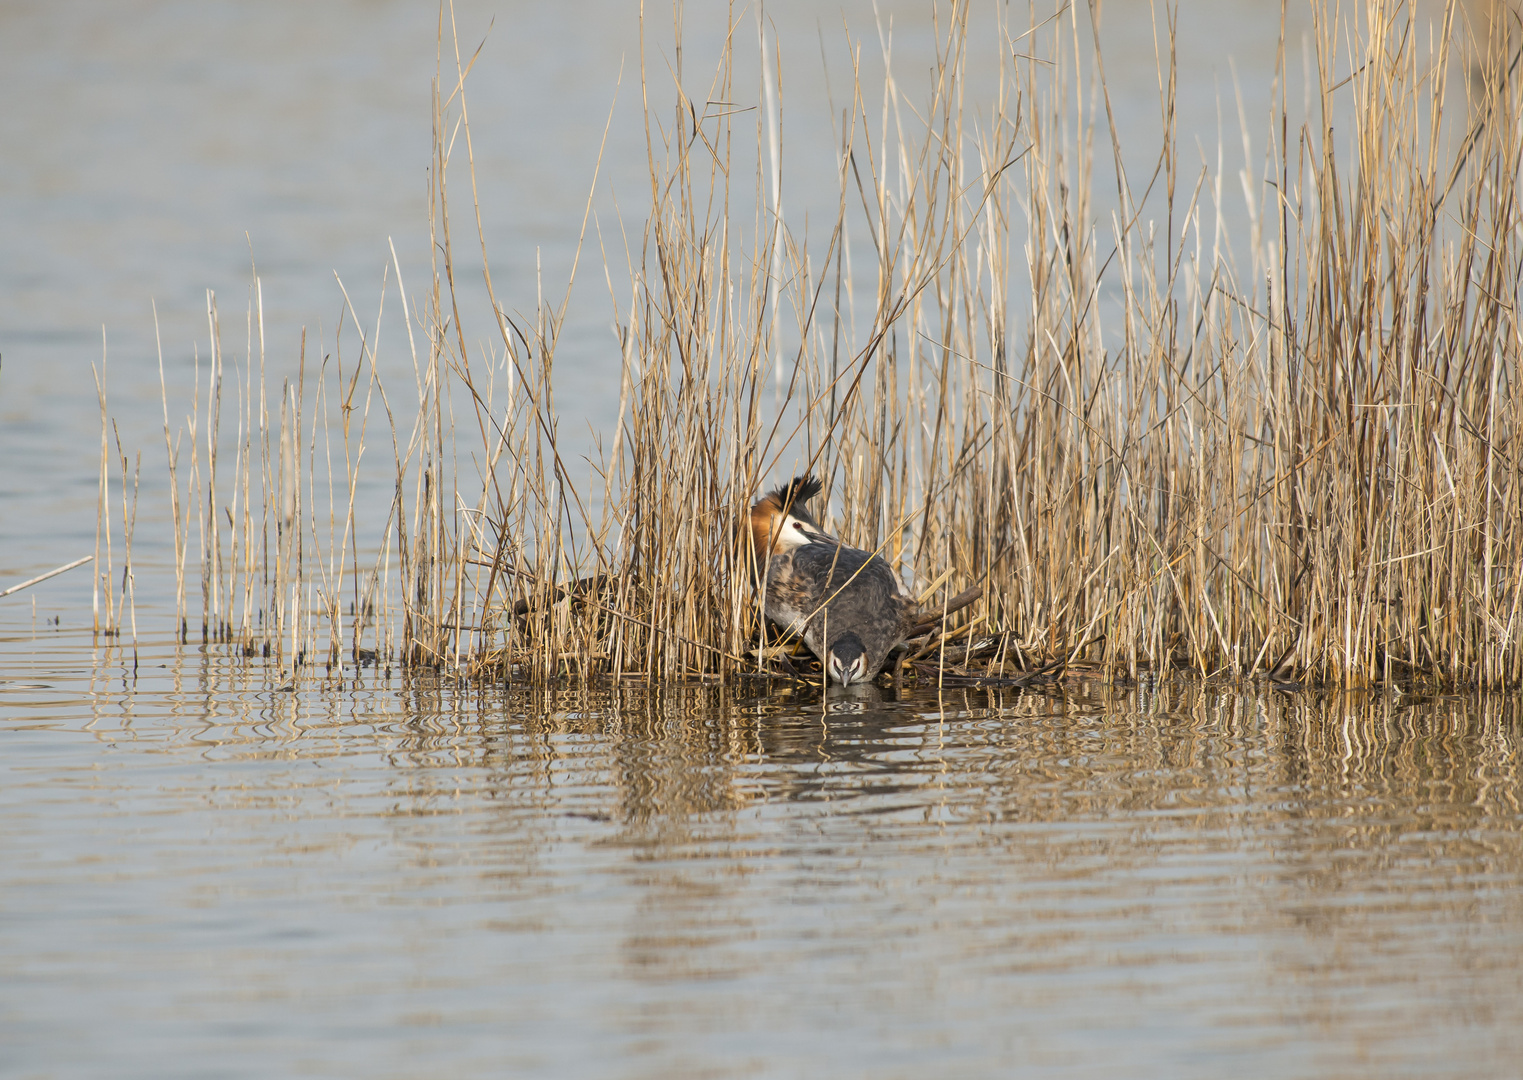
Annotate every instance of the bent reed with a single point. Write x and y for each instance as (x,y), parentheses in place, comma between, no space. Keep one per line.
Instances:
(1091,427)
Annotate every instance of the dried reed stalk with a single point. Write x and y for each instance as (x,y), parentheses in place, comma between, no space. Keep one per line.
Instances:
(1149,442)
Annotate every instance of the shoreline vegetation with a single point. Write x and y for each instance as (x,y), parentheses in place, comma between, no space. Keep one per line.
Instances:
(1100,442)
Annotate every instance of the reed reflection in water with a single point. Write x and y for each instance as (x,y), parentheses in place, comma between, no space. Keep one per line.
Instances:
(401,879)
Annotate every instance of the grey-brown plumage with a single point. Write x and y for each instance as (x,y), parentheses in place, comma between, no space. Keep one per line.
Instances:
(846,604)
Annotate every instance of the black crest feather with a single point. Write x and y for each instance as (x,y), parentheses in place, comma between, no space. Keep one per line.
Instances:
(797,492)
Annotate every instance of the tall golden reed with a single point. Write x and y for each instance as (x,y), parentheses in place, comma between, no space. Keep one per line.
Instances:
(1150,443)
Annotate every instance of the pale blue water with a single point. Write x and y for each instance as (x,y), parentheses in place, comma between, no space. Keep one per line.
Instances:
(201,876)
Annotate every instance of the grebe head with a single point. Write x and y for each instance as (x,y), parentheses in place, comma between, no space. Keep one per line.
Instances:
(846,660)
(779,521)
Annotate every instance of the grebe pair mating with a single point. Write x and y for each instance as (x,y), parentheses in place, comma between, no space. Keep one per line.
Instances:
(846,604)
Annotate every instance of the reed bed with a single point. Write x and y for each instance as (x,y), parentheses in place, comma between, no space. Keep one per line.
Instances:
(1142,441)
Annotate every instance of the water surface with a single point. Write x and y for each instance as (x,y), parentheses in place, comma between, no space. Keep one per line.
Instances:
(387,877)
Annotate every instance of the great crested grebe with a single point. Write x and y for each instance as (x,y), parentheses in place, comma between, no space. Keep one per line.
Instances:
(846,604)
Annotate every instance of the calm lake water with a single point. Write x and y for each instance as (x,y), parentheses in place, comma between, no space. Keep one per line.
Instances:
(203,876)
(386,878)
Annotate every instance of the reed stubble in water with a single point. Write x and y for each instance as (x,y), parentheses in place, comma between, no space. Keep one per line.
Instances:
(1146,442)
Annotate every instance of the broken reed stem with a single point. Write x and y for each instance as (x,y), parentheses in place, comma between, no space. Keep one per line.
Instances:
(128,601)
(102,511)
(211,531)
(172,461)
(27,584)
